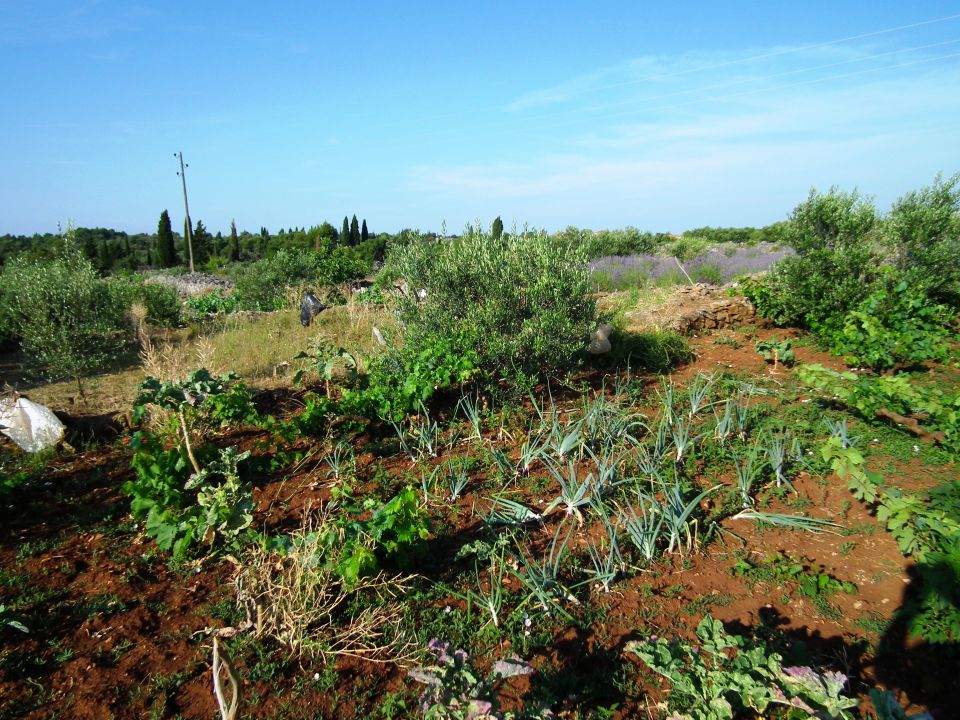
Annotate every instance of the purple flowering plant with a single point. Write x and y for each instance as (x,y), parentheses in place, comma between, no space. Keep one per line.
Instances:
(456,690)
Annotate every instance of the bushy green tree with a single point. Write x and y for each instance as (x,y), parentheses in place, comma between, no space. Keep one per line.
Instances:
(923,230)
(523,302)
(65,314)
(202,243)
(836,261)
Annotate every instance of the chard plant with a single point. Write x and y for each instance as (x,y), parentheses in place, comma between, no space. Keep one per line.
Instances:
(725,676)
(183,399)
(226,507)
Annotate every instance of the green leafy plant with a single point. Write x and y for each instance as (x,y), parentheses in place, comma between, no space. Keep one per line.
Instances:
(777,351)
(216,302)
(402,381)
(211,505)
(225,507)
(893,327)
(323,358)
(183,399)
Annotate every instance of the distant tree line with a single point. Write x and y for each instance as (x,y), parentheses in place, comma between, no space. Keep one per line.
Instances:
(111,251)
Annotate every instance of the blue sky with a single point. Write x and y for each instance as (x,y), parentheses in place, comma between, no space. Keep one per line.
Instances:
(665,116)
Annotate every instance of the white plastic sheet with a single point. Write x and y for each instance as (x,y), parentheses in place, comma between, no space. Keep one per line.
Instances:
(31,426)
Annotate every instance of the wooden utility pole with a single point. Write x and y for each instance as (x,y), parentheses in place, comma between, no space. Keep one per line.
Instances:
(186,207)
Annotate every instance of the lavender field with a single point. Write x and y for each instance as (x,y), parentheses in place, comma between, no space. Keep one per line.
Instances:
(620,272)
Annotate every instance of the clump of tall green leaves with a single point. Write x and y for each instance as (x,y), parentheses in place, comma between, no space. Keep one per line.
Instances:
(724,676)
(522,299)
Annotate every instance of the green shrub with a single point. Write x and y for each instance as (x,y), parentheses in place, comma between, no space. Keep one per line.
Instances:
(923,230)
(212,303)
(836,262)
(523,301)
(600,243)
(766,300)
(688,247)
(65,314)
(159,299)
(265,284)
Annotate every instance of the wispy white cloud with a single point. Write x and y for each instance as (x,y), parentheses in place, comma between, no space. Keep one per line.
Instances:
(717,149)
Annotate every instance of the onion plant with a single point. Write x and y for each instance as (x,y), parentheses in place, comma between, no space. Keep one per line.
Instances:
(510,512)
(574,492)
(340,461)
(643,528)
(776,452)
(699,392)
(747,469)
(469,407)
(677,515)
(839,430)
(542,578)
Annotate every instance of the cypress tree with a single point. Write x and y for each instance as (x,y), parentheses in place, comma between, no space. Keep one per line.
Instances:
(354,231)
(364,235)
(166,251)
(264,242)
(201,243)
(345,231)
(234,243)
(497,229)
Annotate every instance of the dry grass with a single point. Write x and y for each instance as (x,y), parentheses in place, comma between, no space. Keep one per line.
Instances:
(259,348)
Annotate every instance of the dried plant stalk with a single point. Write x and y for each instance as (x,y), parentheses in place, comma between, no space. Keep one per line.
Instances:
(300,600)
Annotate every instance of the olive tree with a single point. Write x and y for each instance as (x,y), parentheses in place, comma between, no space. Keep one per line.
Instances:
(69,322)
